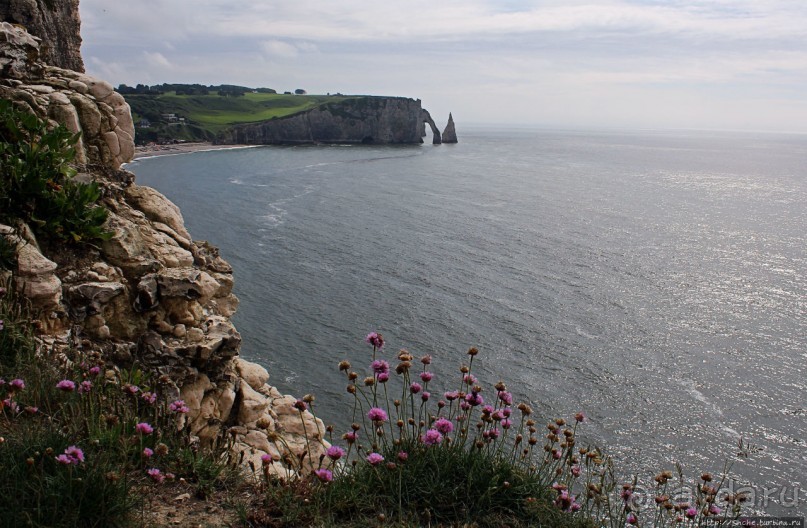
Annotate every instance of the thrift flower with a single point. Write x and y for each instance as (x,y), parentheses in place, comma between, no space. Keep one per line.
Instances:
(144,428)
(95,371)
(377,415)
(375,339)
(179,407)
(335,452)
(1,324)
(66,385)
(380,366)
(426,376)
(432,437)
(415,388)
(474,398)
(383,377)
(155,475)
(72,455)
(403,456)
(425,396)
(85,387)
(451,396)
(148,453)
(444,426)
(266,459)
(374,459)
(324,475)
(17,384)
(506,397)
(149,397)
(691,512)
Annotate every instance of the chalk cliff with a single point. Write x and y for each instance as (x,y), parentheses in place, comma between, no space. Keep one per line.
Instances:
(450,134)
(364,119)
(150,296)
(56,22)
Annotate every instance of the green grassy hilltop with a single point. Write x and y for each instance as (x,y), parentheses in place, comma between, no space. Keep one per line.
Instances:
(202,117)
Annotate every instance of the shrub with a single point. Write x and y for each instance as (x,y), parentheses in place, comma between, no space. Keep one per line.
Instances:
(36,180)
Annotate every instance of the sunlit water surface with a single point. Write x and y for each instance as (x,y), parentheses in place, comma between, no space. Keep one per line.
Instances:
(656,281)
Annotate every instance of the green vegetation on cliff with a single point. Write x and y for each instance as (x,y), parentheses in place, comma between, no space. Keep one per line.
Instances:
(202,117)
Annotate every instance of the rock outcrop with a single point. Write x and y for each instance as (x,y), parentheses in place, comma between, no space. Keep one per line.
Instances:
(150,295)
(450,134)
(364,120)
(56,22)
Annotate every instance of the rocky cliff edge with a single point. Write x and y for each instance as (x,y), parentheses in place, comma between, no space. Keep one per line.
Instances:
(151,296)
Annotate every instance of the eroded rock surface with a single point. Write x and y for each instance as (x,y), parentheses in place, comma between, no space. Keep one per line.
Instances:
(150,296)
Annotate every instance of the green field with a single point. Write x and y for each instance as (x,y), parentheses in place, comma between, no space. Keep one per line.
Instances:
(208,115)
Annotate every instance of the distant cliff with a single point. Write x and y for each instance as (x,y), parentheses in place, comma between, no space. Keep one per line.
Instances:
(365,120)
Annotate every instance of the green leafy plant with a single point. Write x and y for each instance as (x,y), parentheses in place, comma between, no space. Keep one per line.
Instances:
(36,180)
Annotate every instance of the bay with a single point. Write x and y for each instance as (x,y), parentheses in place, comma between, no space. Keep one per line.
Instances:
(653,280)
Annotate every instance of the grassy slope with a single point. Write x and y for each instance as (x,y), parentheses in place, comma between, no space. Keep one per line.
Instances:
(215,113)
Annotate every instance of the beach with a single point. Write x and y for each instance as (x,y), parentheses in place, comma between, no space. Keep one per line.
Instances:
(150,151)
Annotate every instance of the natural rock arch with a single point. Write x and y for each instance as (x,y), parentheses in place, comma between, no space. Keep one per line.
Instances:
(436,136)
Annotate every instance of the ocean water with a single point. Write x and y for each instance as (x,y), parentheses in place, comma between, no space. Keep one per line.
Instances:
(655,281)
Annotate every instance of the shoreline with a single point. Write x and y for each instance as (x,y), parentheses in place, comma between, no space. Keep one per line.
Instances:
(154,151)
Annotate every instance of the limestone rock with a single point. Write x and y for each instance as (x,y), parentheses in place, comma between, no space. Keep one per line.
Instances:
(56,23)
(365,120)
(255,375)
(450,134)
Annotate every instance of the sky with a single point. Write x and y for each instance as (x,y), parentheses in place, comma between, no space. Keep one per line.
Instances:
(617,64)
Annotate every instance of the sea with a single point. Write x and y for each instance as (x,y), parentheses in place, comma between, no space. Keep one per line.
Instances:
(654,280)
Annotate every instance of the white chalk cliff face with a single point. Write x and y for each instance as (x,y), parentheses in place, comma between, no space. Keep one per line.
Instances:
(150,296)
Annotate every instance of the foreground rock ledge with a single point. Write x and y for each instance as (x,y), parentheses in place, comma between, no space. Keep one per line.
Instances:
(150,296)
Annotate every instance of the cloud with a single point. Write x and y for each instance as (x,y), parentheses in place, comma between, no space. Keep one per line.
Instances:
(476,57)
(156,58)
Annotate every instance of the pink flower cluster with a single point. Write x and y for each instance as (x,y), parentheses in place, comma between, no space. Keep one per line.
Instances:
(71,456)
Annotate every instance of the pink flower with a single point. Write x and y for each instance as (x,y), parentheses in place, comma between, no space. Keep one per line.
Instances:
(66,385)
(95,371)
(425,396)
(72,455)
(149,397)
(403,456)
(432,437)
(377,415)
(426,376)
(474,398)
(75,453)
(691,512)
(144,428)
(415,387)
(632,519)
(179,406)
(131,389)
(506,397)
(324,475)
(451,396)
(444,426)
(85,387)
(580,417)
(148,452)
(507,423)
(335,452)
(155,475)
(380,366)
(17,384)
(267,459)
(576,470)
(375,339)
(374,459)
(383,377)
(350,437)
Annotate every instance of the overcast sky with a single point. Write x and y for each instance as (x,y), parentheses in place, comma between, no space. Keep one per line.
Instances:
(719,64)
